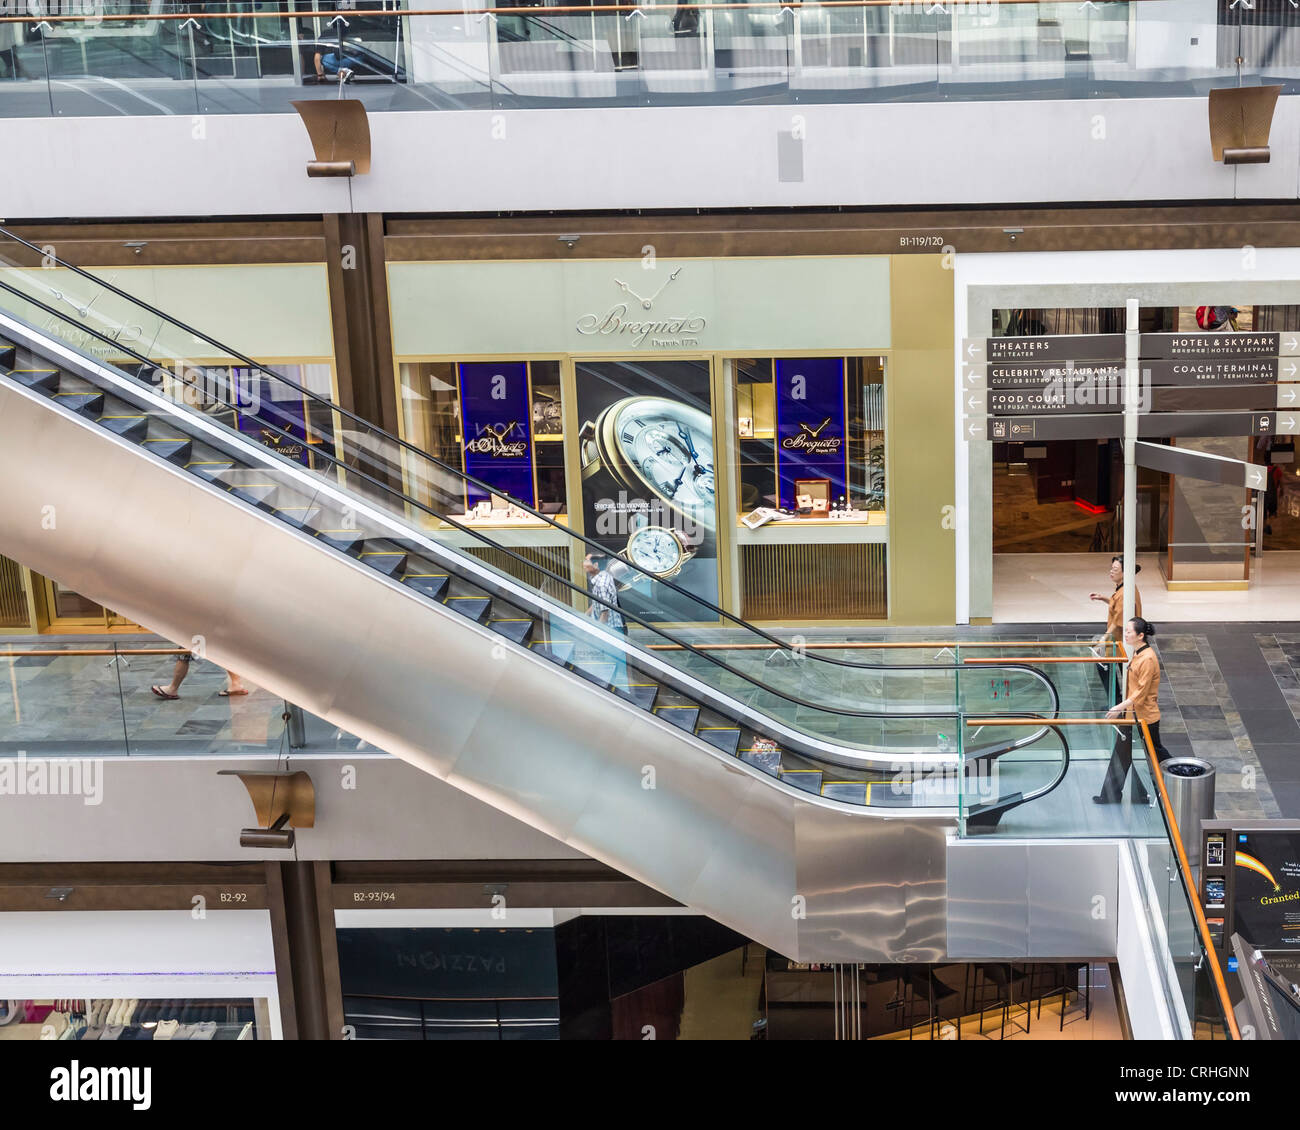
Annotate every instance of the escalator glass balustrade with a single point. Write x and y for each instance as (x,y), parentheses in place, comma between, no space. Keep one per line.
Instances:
(860,726)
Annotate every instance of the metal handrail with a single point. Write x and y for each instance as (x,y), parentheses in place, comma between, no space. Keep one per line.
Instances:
(10,653)
(383,13)
(382,435)
(564,581)
(1189,890)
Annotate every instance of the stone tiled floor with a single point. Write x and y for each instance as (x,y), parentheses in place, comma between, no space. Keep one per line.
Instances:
(1199,716)
(1230,694)
(56,704)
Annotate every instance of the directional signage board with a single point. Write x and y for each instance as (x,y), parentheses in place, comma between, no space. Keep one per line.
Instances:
(1201,465)
(1202,346)
(1247,371)
(1003,375)
(1160,425)
(1085,399)
(1073,398)
(1055,347)
(1070,386)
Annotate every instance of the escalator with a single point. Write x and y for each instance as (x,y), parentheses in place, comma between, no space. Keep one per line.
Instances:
(802,799)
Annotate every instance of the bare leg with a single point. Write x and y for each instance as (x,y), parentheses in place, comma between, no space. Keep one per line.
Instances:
(179,671)
(236,685)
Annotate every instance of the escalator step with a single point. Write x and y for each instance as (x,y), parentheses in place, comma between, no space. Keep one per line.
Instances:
(173,450)
(598,671)
(47,380)
(404,544)
(810,780)
(300,516)
(7,354)
(475,607)
(349,541)
(383,560)
(432,585)
(557,651)
(210,469)
(259,494)
(641,694)
(513,629)
(134,428)
(683,716)
(726,738)
(854,792)
(768,760)
(87,403)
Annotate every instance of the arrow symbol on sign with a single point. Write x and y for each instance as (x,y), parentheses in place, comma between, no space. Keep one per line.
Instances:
(972,403)
(1290,423)
(1291,344)
(971,350)
(973,429)
(1289,395)
(1290,370)
(1254,476)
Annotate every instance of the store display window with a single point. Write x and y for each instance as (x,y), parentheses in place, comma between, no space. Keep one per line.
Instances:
(412,983)
(258,404)
(810,440)
(124,1018)
(498,422)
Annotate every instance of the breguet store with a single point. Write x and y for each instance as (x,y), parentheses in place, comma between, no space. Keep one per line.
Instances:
(752,429)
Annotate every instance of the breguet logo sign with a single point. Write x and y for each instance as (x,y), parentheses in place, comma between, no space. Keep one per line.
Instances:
(495,441)
(811,441)
(638,322)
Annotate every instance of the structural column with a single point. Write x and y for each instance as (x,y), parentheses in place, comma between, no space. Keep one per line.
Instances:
(363,346)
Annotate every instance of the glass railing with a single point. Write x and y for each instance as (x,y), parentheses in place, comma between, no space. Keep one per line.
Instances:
(94,699)
(1191,973)
(1063,789)
(346,481)
(122,57)
(909,706)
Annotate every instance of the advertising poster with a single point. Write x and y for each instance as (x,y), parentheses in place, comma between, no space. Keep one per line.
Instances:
(648,478)
(1266,896)
(496,426)
(811,425)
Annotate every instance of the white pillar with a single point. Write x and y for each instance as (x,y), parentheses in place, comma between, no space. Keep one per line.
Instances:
(1132,392)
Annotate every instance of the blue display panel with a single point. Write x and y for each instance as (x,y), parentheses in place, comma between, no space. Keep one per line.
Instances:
(811,425)
(496,426)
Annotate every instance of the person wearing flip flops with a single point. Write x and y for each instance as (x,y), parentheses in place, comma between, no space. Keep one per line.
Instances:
(171,691)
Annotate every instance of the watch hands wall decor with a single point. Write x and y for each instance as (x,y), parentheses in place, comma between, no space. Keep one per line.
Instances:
(674,332)
(81,338)
(649,444)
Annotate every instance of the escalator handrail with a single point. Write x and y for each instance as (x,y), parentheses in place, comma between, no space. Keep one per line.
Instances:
(454,472)
(479,535)
(994,754)
(269,454)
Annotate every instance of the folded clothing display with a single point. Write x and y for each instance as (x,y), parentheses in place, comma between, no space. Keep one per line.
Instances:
(126,1018)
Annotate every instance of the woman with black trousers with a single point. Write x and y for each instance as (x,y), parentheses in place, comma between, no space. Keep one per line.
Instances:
(1140,702)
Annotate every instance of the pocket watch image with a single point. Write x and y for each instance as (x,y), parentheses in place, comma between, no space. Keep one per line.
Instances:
(649,444)
(658,550)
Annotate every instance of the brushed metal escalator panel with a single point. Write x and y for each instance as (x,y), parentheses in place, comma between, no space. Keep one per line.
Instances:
(537,742)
